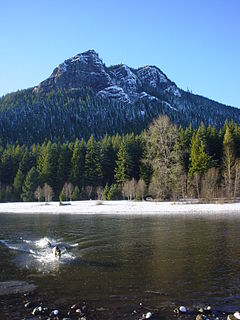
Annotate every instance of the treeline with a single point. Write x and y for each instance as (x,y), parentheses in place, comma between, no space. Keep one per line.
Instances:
(66,115)
(165,162)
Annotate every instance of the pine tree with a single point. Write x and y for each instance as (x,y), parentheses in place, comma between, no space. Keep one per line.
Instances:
(78,163)
(108,158)
(199,160)
(30,184)
(48,173)
(228,162)
(18,183)
(76,194)
(114,192)
(124,164)
(63,166)
(93,174)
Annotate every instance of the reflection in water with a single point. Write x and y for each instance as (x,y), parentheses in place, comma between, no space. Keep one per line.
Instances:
(117,261)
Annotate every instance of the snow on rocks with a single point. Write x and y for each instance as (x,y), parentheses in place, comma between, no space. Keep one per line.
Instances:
(114,92)
(144,95)
(174,90)
(151,75)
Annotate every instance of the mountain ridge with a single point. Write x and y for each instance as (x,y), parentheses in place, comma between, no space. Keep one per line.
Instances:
(118,82)
(109,76)
(83,96)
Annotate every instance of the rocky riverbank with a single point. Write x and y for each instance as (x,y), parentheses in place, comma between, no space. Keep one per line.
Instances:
(29,306)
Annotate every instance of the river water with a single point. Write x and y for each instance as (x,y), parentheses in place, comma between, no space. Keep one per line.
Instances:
(114,263)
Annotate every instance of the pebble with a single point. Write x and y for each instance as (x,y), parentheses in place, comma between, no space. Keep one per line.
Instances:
(37,311)
(180,309)
(54,313)
(148,315)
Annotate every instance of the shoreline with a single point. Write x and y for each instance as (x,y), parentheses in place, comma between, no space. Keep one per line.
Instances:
(117,207)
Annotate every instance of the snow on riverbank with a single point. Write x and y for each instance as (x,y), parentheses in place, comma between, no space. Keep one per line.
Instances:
(118,207)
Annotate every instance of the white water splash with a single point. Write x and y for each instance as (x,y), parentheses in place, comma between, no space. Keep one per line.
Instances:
(38,254)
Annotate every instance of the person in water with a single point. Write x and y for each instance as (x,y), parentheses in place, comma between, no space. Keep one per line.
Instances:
(57,251)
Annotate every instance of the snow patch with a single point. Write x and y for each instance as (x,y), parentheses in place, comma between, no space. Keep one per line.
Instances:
(143,94)
(62,67)
(121,207)
(151,75)
(114,92)
(169,106)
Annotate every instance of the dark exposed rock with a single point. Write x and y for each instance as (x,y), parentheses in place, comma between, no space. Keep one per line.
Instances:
(205,310)
(83,70)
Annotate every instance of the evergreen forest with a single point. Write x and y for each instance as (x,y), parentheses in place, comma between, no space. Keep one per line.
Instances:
(63,115)
(164,162)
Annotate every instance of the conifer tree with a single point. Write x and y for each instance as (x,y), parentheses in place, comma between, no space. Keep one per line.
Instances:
(93,174)
(78,163)
(108,158)
(48,173)
(76,194)
(123,164)
(228,162)
(18,183)
(214,144)
(30,184)
(199,160)
(27,161)
(63,166)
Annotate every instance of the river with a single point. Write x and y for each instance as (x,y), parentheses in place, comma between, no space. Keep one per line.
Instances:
(118,263)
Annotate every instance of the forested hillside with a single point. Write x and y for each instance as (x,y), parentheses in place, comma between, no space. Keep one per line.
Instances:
(164,162)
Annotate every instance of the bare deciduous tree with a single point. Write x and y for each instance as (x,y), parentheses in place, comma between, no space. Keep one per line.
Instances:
(209,188)
(140,189)
(162,154)
(38,193)
(99,191)
(237,178)
(195,185)
(47,192)
(129,189)
(67,191)
(89,190)
(179,188)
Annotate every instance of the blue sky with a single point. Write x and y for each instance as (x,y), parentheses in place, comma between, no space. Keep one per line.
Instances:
(195,42)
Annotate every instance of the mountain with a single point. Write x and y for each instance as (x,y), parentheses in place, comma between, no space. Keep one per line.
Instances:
(83,96)
(119,83)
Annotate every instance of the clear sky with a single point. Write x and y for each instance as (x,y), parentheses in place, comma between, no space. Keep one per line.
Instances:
(196,43)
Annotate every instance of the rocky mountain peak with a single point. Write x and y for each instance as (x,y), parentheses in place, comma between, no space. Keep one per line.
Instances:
(119,83)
